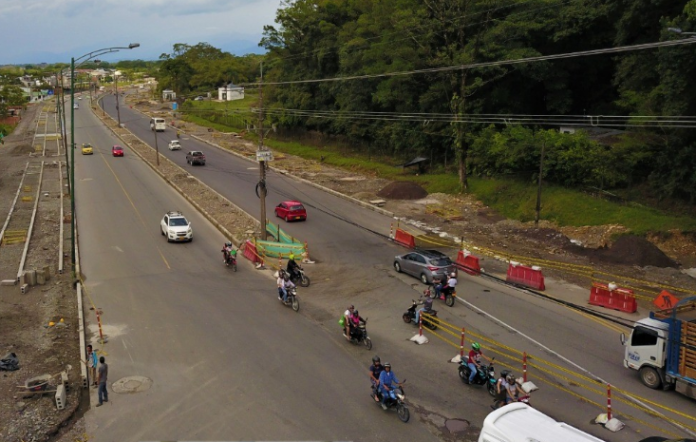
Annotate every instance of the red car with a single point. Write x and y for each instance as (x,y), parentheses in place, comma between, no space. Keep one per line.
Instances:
(117,151)
(291,211)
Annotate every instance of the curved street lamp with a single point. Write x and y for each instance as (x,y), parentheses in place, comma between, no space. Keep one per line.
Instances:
(84,58)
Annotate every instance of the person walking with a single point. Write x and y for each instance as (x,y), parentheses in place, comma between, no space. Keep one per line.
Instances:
(103,373)
(92,365)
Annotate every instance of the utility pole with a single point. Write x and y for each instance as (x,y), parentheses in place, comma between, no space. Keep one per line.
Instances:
(72,164)
(156,147)
(541,169)
(118,109)
(262,163)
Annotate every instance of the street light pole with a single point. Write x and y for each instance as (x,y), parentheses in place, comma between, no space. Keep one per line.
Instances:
(118,109)
(72,161)
(262,164)
(86,57)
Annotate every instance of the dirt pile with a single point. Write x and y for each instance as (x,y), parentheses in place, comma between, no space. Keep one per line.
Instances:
(627,250)
(402,190)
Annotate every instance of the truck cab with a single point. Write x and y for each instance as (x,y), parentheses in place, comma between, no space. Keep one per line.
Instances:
(645,351)
(662,348)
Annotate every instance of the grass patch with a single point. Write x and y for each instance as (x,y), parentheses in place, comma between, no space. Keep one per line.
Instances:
(567,207)
(513,199)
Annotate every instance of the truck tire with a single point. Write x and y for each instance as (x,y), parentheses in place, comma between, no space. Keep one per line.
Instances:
(650,377)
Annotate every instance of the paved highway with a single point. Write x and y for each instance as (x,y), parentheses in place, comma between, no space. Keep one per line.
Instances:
(227,360)
(436,387)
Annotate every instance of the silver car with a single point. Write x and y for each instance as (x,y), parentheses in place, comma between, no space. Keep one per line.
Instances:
(424,265)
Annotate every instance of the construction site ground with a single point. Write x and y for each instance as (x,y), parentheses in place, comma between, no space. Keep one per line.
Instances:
(646,264)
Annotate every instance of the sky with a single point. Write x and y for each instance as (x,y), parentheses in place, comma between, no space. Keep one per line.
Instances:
(50,31)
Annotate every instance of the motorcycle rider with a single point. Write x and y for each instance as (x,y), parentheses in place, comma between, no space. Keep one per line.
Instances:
(229,251)
(354,321)
(292,267)
(280,282)
(451,283)
(387,379)
(474,361)
(427,306)
(512,392)
(346,321)
(501,387)
(287,284)
(375,370)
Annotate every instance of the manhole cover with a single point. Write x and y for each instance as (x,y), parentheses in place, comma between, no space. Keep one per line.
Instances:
(456,425)
(132,384)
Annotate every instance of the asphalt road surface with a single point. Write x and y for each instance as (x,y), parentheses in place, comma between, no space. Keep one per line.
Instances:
(338,241)
(227,361)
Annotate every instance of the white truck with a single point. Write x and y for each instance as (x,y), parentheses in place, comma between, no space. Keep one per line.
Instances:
(518,422)
(662,348)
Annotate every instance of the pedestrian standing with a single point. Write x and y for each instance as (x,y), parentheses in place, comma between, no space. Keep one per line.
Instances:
(92,365)
(103,374)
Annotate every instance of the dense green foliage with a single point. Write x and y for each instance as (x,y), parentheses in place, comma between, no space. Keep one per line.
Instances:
(319,39)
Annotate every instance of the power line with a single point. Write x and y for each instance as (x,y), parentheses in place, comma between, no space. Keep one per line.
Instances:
(615,50)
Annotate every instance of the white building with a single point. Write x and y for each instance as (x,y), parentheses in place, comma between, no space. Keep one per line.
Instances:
(168,95)
(230,93)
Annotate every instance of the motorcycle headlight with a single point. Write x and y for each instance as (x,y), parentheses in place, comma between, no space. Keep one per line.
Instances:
(400,396)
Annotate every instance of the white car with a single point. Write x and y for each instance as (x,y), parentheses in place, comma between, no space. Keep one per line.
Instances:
(174,145)
(175,227)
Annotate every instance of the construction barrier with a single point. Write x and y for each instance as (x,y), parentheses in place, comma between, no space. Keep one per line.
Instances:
(405,239)
(468,263)
(527,276)
(613,297)
(250,252)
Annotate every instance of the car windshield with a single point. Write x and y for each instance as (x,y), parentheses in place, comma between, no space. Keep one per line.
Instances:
(117,147)
(178,222)
(297,207)
(197,154)
(441,262)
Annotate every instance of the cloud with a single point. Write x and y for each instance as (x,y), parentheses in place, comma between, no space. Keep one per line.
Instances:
(67,28)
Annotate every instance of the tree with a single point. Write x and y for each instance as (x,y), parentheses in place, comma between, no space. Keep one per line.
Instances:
(12,95)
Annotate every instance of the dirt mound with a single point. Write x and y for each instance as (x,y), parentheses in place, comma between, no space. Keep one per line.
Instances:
(627,250)
(402,190)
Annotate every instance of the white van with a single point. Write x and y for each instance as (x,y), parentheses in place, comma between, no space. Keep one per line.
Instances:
(518,422)
(158,124)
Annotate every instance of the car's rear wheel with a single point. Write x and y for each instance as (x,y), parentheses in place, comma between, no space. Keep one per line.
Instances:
(424,278)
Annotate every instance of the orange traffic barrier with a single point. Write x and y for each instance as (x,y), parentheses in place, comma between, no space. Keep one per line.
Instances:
(405,239)
(468,263)
(527,276)
(613,297)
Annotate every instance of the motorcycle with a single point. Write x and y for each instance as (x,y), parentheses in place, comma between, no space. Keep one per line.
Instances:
(298,277)
(448,292)
(359,336)
(395,400)
(292,299)
(410,316)
(229,259)
(485,375)
(497,403)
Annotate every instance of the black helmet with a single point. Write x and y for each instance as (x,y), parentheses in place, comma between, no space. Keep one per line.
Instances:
(355,312)
(386,365)
(375,359)
(504,373)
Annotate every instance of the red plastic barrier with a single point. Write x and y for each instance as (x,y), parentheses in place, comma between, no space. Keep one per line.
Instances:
(527,276)
(405,239)
(468,262)
(250,252)
(620,299)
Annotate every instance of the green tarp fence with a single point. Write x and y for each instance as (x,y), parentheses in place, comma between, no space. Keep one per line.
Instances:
(276,232)
(273,249)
